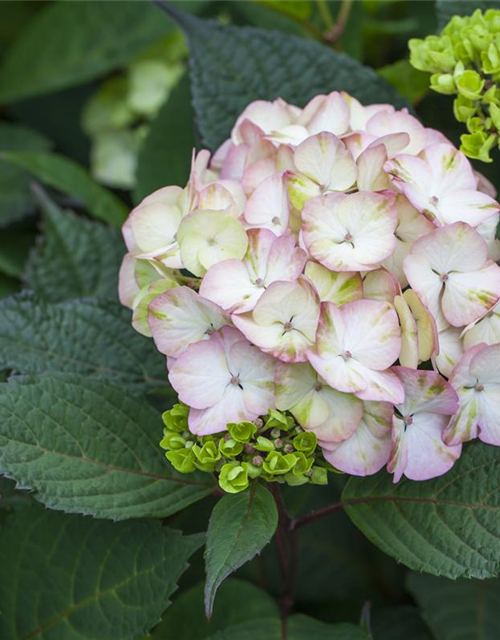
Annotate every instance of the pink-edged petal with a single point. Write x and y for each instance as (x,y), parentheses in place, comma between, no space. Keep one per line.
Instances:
(230,408)
(384,123)
(255,373)
(286,261)
(200,375)
(464,205)
(181,317)
(229,285)
(409,334)
(154,225)
(344,414)
(324,159)
(337,287)
(468,296)
(380,285)
(326,113)
(267,116)
(268,205)
(381,386)
(425,391)
(368,449)
(371,175)
(486,330)
(350,232)
(127,285)
(451,349)
(424,454)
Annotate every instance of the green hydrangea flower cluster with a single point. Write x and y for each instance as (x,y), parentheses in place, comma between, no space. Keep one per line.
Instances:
(465,61)
(274,448)
(118,115)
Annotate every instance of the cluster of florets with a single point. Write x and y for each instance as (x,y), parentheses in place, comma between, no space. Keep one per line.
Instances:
(336,263)
(274,449)
(465,61)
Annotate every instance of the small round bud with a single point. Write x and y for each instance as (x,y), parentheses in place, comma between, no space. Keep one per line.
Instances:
(257,461)
(258,423)
(288,448)
(278,443)
(275,433)
(249,449)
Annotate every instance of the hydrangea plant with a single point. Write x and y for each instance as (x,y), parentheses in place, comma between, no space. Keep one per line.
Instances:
(324,290)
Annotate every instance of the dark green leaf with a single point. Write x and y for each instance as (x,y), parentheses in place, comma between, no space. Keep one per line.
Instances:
(75,257)
(87,446)
(301,627)
(446,9)
(8,286)
(165,157)
(71,42)
(77,578)
(15,197)
(448,526)
(71,179)
(411,83)
(396,623)
(90,337)
(263,629)
(458,609)
(14,249)
(12,499)
(240,526)
(231,66)
(237,601)
(298,627)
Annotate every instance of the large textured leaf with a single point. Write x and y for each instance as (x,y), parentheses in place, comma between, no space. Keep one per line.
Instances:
(231,66)
(14,250)
(449,526)
(88,446)
(15,196)
(446,9)
(73,578)
(75,257)
(458,609)
(70,178)
(240,526)
(72,42)
(91,337)
(237,601)
(165,157)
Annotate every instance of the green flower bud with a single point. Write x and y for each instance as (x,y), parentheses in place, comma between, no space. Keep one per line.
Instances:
(182,460)
(495,116)
(206,456)
(470,84)
(478,145)
(434,54)
(264,444)
(172,440)
(302,464)
(490,59)
(305,442)
(464,109)
(242,431)
(319,476)
(254,470)
(279,420)
(176,419)
(443,83)
(233,477)
(230,448)
(278,464)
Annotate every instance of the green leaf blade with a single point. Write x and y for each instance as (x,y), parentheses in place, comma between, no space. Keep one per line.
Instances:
(448,526)
(240,526)
(87,337)
(87,446)
(78,578)
(70,178)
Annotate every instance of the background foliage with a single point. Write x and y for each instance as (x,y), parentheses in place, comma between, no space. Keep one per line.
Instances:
(98,548)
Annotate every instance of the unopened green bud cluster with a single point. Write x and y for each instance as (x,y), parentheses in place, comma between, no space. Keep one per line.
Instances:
(274,448)
(465,61)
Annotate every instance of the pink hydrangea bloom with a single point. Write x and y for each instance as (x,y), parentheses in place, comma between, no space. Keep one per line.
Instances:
(321,262)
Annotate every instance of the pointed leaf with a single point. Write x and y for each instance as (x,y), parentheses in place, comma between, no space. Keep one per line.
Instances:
(87,446)
(240,526)
(82,579)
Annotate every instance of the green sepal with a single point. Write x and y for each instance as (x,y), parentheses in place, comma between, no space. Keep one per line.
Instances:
(233,477)
(319,476)
(464,109)
(470,84)
(176,419)
(242,431)
(172,440)
(264,444)
(182,460)
(302,463)
(305,442)
(207,456)
(230,448)
(295,480)
(278,420)
(443,83)
(478,145)
(277,463)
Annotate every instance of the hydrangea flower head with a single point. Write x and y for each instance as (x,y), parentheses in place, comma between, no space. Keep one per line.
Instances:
(325,291)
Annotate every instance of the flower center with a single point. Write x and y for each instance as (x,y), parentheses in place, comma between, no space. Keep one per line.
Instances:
(288,326)
(434,201)
(347,355)
(479,387)
(444,277)
(407,420)
(348,237)
(318,387)
(275,220)
(259,282)
(235,380)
